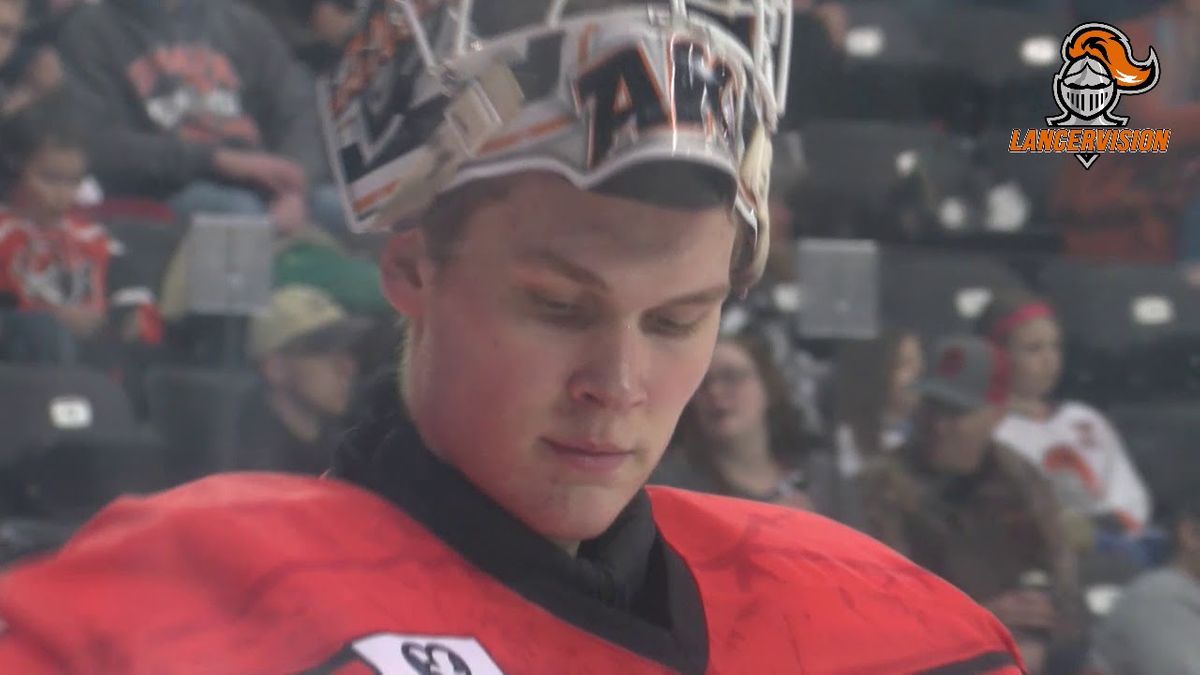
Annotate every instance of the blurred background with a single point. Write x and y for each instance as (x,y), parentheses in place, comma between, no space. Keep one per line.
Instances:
(989,360)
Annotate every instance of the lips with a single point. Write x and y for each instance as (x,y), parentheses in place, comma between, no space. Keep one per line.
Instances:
(590,456)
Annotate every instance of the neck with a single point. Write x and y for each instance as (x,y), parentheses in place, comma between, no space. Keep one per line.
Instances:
(894,413)
(40,219)
(296,417)
(1028,405)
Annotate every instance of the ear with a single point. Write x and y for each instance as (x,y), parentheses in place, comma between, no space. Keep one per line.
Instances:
(405,272)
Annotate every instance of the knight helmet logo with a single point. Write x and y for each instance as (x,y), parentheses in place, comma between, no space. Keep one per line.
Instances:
(1098,69)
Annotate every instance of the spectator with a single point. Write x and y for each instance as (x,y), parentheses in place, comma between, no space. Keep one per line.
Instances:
(817,60)
(202,105)
(1171,27)
(27,71)
(1073,444)
(741,436)
(53,264)
(314,29)
(1154,626)
(1174,30)
(303,349)
(972,511)
(12,21)
(875,396)
(1143,208)
(331,21)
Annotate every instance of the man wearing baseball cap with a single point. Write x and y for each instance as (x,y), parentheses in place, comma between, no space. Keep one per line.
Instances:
(302,346)
(973,511)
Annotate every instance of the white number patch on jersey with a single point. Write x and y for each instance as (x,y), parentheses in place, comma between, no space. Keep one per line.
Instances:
(392,654)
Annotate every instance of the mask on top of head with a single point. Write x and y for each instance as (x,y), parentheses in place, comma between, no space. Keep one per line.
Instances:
(432,94)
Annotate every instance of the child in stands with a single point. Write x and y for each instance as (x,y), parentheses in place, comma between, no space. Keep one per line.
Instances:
(53,263)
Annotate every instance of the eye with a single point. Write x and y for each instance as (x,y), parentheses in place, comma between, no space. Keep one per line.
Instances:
(554,305)
(672,327)
(558,310)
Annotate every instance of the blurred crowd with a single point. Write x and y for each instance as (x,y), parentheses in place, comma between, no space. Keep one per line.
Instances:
(985,447)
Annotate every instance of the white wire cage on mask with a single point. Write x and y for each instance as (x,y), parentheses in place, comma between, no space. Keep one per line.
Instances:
(432,94)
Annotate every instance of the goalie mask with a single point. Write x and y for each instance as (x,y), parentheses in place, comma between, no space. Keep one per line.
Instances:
(432,94)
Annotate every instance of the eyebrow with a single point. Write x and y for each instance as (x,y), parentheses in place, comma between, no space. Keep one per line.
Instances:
(543,257)
(703,297)
(551,260)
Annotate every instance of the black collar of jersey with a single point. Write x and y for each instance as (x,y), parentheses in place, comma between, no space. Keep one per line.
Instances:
(627,586)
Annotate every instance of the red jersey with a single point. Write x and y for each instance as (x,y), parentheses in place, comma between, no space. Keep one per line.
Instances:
(66,265)
(263,573)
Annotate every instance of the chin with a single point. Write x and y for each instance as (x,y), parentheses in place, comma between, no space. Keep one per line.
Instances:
(714,430)
(581,517)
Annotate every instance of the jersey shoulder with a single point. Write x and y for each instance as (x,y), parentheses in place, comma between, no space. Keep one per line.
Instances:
(1017,424)
(807,535)
(200,563)
(818,557)
(234,524)
(1078,411)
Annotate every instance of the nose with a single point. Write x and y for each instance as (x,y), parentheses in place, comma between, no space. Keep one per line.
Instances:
(714,389)
(614,372)
(938,427)
(345,365)
(1055,353)
(64,196)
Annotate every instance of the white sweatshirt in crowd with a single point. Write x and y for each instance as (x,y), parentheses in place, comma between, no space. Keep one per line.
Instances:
(1085,459)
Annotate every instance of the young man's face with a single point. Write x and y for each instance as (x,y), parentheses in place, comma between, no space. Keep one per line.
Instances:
(12,19)
(322,381)
(958,441)
(551,359)
(49,182)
